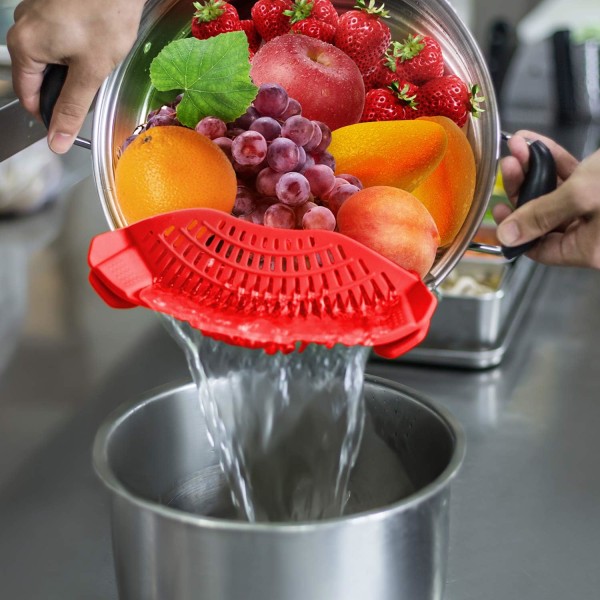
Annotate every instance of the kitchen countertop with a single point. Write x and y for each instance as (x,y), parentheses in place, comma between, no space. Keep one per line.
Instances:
(525,516)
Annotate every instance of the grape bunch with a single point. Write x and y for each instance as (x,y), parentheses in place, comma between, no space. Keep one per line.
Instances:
(285,175)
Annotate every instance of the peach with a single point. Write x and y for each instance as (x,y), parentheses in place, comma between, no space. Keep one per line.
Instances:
(447,192)
(394,223)
(325,80)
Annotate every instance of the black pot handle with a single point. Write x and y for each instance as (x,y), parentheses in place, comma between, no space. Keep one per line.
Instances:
(539,180)
(52,84)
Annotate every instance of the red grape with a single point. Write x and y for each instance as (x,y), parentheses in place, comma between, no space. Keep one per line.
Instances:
(325,158)
(351,179)
(271,100)
(283,155)
(244,201)
(249,148)
(319,217)
(280,216)
(293,108)
(315,138)
(267,126)
(301,211)
(225,144)
(325,137)
(298,129)
(266,181)
(321,179)
(339,195)
(211,127)
(293,189)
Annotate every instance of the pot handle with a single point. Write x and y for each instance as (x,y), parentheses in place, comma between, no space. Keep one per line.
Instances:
(539,180)
(54,79)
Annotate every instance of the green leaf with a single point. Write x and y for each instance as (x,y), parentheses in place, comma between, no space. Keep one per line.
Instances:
(214,75)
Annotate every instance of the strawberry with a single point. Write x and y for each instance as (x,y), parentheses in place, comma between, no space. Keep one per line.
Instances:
(363,36)
(269,18)
(394,103)
(253,38)
(418,59)
(213,17)
(449,96)
(322,10)
(316,29)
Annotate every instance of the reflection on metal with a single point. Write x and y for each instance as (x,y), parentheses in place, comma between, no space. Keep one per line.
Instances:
(19,129)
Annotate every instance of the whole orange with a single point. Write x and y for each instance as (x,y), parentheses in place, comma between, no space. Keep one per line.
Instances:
(171,168)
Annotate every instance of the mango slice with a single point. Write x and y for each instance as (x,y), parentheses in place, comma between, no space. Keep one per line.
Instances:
(448,191)
(393,153)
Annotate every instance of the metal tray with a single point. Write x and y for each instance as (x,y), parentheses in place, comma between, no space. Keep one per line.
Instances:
(475,331)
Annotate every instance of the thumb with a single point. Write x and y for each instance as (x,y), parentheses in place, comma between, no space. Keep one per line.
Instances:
(71,108)
(536,218)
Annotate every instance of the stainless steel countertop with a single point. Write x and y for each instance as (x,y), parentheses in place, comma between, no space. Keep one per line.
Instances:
(525,520)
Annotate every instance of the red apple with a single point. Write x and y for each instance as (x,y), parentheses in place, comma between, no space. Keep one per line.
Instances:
(325,80)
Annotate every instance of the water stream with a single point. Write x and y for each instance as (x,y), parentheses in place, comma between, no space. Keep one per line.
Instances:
(286,427)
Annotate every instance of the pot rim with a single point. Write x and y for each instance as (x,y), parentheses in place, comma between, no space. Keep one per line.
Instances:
(123,412)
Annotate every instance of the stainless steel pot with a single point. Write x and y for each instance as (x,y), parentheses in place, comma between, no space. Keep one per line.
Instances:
(174,539)
(127,96)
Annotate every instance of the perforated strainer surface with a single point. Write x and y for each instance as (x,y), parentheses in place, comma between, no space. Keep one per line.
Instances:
(258,286)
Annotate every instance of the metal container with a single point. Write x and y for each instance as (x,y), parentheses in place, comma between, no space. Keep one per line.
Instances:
(127,95)
(475,330)
(174,539)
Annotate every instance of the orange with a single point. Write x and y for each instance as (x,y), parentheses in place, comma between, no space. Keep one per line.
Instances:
(390,153)
(448,191)
(171,168)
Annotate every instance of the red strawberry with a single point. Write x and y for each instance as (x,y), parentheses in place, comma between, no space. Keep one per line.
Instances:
(418,59)
(316,29)
(395,103)
(269,18)
(363,36)
(213,17)
(449,96)
(252,35)
(322,10)
(382,76)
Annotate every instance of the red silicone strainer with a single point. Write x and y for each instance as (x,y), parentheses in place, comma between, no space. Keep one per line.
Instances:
(261,287)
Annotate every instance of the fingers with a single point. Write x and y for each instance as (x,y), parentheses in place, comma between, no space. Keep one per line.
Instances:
(27,73)
(513,176)
(536,218)
(72,107)
(26,85)
(501,212)
(565,161)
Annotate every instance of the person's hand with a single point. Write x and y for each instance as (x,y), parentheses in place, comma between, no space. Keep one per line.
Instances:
(567,219)
(90,36)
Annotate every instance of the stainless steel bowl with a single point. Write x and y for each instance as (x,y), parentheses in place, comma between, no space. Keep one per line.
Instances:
(127,95)
(174,537)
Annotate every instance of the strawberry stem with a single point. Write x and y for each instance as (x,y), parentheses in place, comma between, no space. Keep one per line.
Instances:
(211,10)
(475,99)
(301,9)
(402,94)
(408,48)
(371,9)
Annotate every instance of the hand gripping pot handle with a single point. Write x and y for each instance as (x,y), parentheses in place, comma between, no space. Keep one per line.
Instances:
(54,79)
(539,180)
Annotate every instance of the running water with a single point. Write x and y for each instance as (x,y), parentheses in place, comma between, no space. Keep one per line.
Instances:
(286,427)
